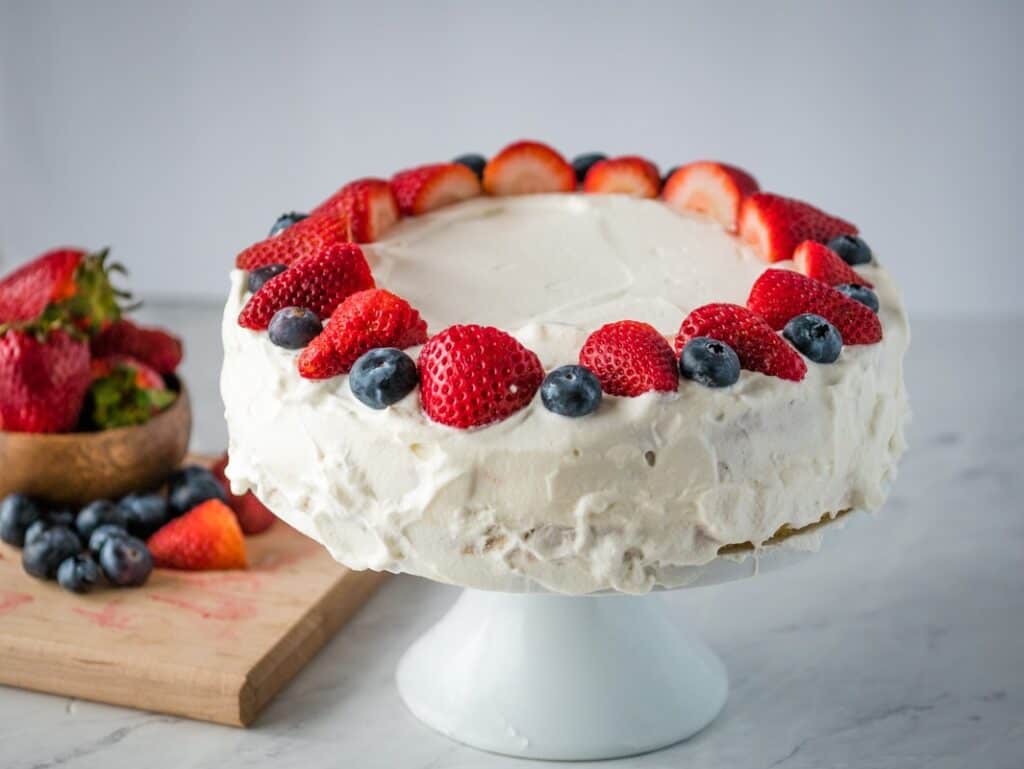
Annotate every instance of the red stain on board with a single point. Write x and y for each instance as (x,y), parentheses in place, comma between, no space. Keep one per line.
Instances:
(221,608)
(275,561)
(243,579)
(10,600)
(110,616)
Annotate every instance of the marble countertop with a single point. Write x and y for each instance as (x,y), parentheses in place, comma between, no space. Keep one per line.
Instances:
(903,646)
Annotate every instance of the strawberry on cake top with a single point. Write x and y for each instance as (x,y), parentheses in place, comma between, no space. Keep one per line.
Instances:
(524,372)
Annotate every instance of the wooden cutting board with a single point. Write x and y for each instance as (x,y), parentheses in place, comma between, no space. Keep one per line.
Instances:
(215,646)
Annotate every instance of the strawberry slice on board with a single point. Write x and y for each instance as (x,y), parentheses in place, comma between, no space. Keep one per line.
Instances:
(774,226)
(630,358)
(526,168)
(427,188)
(706,187)
(822,263)
(253,516)
(367,206)
(627,175)
(206,538)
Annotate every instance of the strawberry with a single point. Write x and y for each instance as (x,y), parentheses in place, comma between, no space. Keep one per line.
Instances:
(124,392)
(368,206)
(525,168)
(366,319)
(318,283)
(43,380)
(253,516)
(756,344)
(157,348)
(627,175)
(775,225)
(822,263)
(780,295)
(630,358)
(65,284)
(207,537)
(471,376)
(309,237)
(706,187)
(425,188)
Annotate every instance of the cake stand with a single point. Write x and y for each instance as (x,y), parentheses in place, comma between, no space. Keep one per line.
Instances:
(545,676)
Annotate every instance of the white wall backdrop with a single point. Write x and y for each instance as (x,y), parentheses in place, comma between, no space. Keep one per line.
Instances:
(178,131)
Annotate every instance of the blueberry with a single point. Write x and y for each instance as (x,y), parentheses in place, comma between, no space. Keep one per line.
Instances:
(862,294)
(61,517)
(143,513)
(261,275)
(95,514)
(126,561)
(37,528)
(102,533)
(78,573)
(45,553)
(572,391)
(284,221)
(815,337)
(709,362)
(192,486)
(17,513)
(383,376)
(582,163)
(472,161)
(294,327)
(852,249)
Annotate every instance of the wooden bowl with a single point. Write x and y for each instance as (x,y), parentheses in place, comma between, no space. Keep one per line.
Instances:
(76,468)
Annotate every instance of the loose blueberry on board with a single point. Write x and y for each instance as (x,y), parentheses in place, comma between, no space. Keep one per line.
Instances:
(143,513)
(32,532)
(571,391)
(862,294)
(96,514)
(284,221)
(709,362)
(851,249)
(582,163)
(102,533)
(261,275)
(61,517)
(78,573)
(191,486)
(46,552)
(294,327)
(17,513)
(474,162)
(815,337)
(382,377)
(126,561)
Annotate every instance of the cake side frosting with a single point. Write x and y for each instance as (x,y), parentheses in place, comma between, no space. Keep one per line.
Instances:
(625,499)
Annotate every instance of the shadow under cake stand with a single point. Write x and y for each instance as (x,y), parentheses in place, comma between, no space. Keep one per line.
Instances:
(545,676)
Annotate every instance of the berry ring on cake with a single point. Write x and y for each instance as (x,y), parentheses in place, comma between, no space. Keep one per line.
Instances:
(523,372)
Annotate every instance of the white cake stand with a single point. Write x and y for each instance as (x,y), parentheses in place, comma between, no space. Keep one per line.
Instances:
(544,676)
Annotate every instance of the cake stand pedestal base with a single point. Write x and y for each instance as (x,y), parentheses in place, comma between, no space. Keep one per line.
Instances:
(558,677)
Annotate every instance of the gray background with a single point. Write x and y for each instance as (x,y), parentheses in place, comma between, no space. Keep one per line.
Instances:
(177,132)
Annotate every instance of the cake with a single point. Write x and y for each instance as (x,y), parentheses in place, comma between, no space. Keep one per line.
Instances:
(501,470)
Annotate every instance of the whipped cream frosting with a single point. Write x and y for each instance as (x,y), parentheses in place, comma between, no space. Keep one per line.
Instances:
(635,495)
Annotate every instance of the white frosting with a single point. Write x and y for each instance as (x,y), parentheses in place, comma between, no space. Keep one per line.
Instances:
(634,495)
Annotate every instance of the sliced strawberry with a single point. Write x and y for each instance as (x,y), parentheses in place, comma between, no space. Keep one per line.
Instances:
(43,380)
(309,237)
(365,320)
(774,226)
(207,537)
(758,347)
(368,206)
(706,187)
(630,358)
(318,283)
(426,188)
(253,516)
(780,295)
(822,263)
(155,347)
(471,376)
(627,175)
(525,168)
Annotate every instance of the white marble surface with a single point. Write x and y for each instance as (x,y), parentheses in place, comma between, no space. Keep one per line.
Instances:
(902,647)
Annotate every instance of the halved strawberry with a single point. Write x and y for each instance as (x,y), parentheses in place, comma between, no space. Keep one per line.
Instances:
(303,239)
(207,537)
(525,168)
(253,516)
(822,263)
(365,320)
(425,188)
(711,188)
(318,283)
(471,376)
(758,347)
(630,358)
(155,347)
(774,226)
(368,207)
(780,295)
(627,175)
